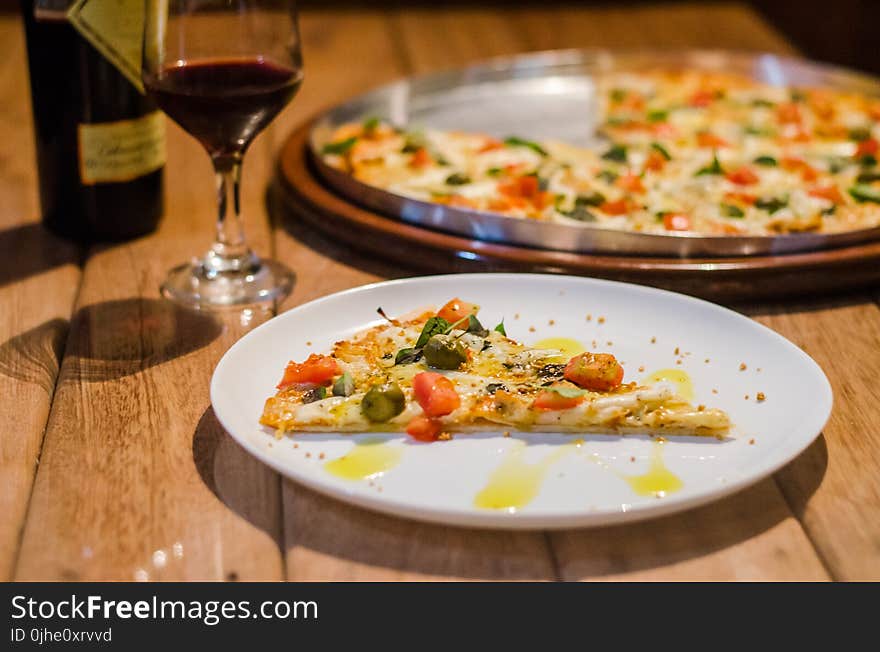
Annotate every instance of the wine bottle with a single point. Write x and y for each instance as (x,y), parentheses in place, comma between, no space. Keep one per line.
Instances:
(100,139)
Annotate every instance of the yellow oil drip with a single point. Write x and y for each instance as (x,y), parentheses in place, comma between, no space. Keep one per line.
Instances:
(679,378)
(369,458)
(658,481)
(515,483)
(568,346)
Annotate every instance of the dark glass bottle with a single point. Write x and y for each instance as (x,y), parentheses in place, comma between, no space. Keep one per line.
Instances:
(100,141)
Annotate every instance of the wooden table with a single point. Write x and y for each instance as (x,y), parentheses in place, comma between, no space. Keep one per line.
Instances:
(115,468)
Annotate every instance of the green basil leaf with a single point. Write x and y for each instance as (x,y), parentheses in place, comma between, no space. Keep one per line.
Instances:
(568,392)
(434,326)
(408,356)
(862,192)
(500,328)
(339,147)
(475,327)
(766,161)
(663,151)
(615,153)
(516,141)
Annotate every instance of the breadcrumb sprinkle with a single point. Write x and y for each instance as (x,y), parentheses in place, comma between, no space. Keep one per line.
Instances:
(761,397)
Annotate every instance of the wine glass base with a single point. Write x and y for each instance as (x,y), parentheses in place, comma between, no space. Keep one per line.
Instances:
(189,285)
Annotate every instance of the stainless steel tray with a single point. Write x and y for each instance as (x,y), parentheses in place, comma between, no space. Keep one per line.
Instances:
(551,95)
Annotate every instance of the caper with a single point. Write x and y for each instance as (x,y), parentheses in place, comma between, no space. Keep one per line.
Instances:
(445,352)
(344,385)
(383,402)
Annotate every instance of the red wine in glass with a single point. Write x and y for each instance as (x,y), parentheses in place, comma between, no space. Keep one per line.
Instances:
(224,103)
(222,70)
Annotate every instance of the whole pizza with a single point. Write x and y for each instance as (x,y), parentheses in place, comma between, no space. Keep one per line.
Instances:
(683,152)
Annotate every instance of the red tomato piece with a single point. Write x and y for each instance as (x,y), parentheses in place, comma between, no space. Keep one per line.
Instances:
(420,158)
(435,393)
(869,146)
(596,371)
(318,369)
(701,98)
(743,197)
(788,113)
(630,183)
(490,145)
(456,310)
(549,400)
(743,176)
(706,139)
(655,161)
(424,428)
(619,207)
(676,222)
(831,193)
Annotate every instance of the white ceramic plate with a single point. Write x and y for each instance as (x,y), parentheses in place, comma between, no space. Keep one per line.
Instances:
(539,480)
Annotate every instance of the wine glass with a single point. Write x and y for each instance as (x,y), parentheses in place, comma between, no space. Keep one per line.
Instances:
(222,70)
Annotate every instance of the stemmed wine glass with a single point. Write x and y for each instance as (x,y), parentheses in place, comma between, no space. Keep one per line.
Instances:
(222,70)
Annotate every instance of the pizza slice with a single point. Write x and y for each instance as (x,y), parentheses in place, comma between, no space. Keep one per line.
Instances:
(442,372)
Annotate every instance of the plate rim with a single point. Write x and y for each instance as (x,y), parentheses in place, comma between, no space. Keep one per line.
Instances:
(499,520)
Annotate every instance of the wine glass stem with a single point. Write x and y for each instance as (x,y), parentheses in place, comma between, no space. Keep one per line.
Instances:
(230,252)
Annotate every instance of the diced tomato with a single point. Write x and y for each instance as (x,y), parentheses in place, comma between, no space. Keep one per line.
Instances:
(743,176)
(435,393)
(869,146)
(420,158)
(701,99)
(664,130)
(793,163)
(596,371)
(550,400)
(655,161)
(458,201)
(630,183)
(788,113)
(831,193)
(490,145)
(318,369)
(633,100)
(424,428)
(528,185)
(707,139)
(618,207)
(742,197)
(456,310)
(676,222)
(500,204)
(809,173)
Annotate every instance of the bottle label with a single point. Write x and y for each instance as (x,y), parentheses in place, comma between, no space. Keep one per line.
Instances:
(116,29)
(121,151)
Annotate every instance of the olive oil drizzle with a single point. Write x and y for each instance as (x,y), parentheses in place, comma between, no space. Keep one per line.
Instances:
(515,482)
(369,458)
(676,377)
(568,347)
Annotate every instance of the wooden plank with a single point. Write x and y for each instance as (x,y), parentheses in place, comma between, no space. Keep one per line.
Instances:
(707,25)
(137,479)
(38,282)
(325,539)
(834,487)
(750,536)
(655,550)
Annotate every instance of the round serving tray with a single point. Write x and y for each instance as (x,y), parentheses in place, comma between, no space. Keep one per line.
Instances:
(551,95)
(312,201)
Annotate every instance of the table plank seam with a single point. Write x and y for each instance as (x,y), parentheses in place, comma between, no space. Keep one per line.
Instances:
(823,560)
(20,536)
(551,554)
